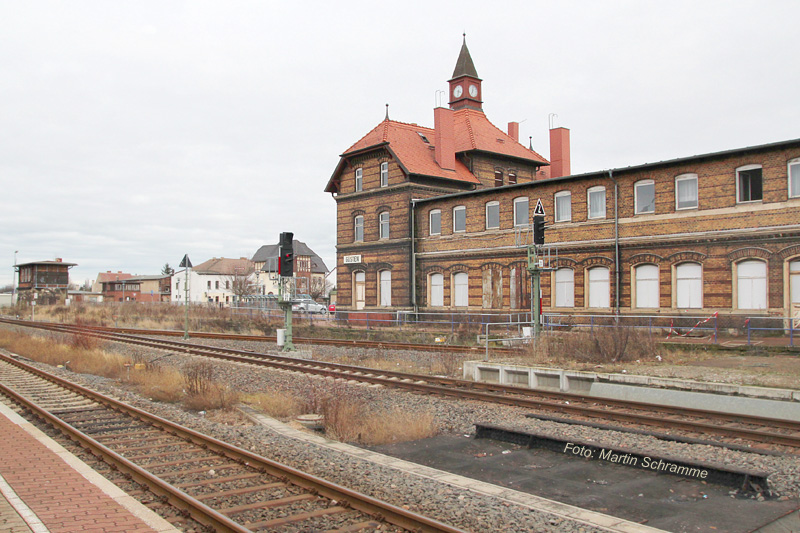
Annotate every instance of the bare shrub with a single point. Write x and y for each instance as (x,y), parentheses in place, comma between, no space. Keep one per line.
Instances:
(447,363)
(198,376)
(83,340)
(397,426)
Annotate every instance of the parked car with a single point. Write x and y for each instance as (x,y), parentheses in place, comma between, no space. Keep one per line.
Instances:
(307,305)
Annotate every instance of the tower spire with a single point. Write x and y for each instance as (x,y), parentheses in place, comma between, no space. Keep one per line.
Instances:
(465,85)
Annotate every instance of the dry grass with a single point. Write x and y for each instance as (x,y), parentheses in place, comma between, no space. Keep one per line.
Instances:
(159,384)
(76,358)
(607,346)
(276,404)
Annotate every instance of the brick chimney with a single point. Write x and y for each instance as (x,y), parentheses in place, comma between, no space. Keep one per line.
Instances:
(559,152)
(444,138)
(513,130)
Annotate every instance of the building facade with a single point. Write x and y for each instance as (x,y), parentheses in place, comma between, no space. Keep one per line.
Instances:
(43,281)
(440,219)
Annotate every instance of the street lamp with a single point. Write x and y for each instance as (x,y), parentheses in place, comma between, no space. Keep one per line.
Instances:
(14,280)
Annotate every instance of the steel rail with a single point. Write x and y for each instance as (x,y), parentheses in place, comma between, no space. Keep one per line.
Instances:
(512,396)
(200,512)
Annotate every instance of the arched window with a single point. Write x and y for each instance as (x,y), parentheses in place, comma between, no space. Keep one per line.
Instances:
(647,288)
(435,222)
(521,211)
(689,286)
(794,282)
(644,197)
(384,224)
(599,288)
(359,179)
(359,289)
(686,191)
(436,284)
(751,284)
(358,228)
(565,287)
(749,184)
(563,200)
(385,288)
(492,215)
(384,174)
(596,197)
(459,218)
(498,178)
(794,178)
(460,290)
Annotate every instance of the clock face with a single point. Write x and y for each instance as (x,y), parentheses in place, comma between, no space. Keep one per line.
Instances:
(457,91)
(473,91)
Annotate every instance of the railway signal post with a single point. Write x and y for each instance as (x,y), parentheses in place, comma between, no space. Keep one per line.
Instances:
(286,285)
(536,265)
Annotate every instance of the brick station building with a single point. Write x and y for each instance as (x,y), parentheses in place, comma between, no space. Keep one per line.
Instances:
(438,219)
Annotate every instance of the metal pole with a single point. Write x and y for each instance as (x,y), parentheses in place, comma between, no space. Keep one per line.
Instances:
(186,303)
(14,281)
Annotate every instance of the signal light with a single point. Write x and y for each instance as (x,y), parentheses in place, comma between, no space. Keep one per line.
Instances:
(538,230)
(286,254)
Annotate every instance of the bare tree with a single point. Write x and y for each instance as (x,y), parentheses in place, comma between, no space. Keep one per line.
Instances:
(241,282)
(318,288)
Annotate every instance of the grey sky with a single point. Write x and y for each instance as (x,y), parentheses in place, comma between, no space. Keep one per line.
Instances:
(134,132)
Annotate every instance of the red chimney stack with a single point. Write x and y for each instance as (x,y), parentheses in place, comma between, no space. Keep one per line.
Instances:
(444,138)
(513,130)
(559,152)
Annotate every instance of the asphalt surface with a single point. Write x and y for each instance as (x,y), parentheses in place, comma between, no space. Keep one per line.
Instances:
(661,501)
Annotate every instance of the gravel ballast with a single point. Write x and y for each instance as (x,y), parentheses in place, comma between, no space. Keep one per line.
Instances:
(464,509)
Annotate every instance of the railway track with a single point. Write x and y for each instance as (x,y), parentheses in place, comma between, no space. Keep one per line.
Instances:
(730,428)
(222,487)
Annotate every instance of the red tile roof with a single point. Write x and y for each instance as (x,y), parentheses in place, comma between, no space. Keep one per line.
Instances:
(473,131)
(112,276)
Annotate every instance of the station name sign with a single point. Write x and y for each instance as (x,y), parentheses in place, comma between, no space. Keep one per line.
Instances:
(352,259)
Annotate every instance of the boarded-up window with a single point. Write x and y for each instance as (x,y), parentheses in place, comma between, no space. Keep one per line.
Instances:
(519,288)
(565,287)
(492,288)
(599,288)
(647,289)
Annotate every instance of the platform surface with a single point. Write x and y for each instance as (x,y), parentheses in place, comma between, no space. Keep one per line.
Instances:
(43,487)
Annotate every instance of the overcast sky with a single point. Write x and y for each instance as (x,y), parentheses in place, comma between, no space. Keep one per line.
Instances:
(132,133)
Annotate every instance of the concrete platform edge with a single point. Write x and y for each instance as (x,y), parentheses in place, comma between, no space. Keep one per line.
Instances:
(583,516)
(131,504)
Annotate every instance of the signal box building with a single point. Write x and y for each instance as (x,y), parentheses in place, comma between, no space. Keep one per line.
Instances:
(48,280)
(439,220)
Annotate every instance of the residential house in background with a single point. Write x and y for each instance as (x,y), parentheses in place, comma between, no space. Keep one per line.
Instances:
(218,281)
(309,269)
(144,289)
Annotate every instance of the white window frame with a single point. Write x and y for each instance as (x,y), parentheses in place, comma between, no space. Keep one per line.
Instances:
(648,289)
(794,281)
(589,192)
(793,175)
(383,224)
(639,210)
(436,284)
(752,292)
(358,223)
(600,287)
(460,289)
(430,221)
(384,174)
(359,179)
(385,288)
(684,178)
(746,168)
(459,208)
(518,211)
(565,287)
(559,198)
(495,206)
(688,286)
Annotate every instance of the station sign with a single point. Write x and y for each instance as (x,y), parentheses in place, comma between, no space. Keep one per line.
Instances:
(352,259)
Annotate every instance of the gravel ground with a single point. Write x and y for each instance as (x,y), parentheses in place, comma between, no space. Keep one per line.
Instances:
(463,509)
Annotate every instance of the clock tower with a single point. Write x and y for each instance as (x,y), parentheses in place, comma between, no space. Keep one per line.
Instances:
(465,85)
